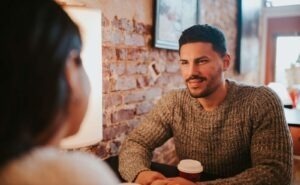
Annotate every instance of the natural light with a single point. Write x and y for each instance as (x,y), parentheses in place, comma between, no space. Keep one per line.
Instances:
(271,3)
(287,53)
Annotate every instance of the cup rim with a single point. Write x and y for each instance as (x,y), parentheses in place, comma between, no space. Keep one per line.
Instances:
(190,166)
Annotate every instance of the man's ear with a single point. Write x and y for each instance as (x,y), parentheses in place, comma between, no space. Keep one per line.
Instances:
(226,61)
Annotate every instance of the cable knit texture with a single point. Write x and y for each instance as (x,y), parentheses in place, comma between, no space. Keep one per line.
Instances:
(50,166)
(244,141)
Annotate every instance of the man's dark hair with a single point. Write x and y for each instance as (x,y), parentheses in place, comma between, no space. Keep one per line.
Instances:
(204,33)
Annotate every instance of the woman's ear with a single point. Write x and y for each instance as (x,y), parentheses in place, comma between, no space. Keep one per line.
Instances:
(79,88)
(226,61)
(71,69)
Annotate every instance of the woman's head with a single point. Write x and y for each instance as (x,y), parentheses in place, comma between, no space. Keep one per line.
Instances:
(41,65)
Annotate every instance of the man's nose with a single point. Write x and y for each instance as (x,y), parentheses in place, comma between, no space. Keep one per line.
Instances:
(193,70)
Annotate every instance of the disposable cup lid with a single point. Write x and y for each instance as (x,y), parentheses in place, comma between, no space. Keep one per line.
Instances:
(190,166)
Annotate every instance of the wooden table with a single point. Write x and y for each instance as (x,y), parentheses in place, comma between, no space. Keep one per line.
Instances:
(166,170)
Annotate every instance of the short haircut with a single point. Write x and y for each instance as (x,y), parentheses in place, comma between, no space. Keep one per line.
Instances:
(204,33)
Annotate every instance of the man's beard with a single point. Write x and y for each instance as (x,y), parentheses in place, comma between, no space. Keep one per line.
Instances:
(206,91)
(202,94)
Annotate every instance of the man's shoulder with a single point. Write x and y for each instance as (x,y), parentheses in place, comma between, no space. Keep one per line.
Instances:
(253,92)
(176,94)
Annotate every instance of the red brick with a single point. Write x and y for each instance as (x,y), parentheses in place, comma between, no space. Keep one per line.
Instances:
(117,68)
(172,67)
(148,40)
(108,53)
(105,86)
(112,100)
(134,40)
(142,69)
(154,55)
(173,56)
(105,21)
(126,25)
(117,37)
(131,68)
(105,69)
(121,115)
(166,153)
(136,68)
(121,54)
(125,83)
(171,81)
(148,29)
(102,150)
(114,146)
(164,80)
(137,54)
(133,123)
(105,118)
(114,131)
(177,80)
(139,28)
(115,22)
(153,93)
(142,81)
(162,54)
(106,36)
(144,108)
(134,97)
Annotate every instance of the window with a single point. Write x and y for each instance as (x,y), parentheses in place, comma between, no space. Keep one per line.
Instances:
(272,3)
(287,53)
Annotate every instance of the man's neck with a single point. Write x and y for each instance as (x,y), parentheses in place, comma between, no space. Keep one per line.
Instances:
(215,99)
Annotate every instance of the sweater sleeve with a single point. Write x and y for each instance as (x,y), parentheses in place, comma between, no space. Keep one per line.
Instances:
(271,145)
(136,151)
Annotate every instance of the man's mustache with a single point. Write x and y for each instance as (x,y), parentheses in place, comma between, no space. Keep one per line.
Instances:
(193,77)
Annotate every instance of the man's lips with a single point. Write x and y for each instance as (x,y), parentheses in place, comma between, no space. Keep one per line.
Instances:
(195,79)
(195,82)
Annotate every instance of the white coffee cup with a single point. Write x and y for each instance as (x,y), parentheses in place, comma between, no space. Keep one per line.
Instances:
(190,169)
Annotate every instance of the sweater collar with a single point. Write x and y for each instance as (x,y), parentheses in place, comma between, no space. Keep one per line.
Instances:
(232,87)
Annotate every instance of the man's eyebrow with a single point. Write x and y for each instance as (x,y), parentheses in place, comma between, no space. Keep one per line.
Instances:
(198,58)
(201,58)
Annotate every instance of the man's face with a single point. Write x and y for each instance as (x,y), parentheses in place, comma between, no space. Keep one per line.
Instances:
(202,68)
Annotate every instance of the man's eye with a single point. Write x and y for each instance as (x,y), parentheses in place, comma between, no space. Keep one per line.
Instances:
(183,62)
(202,61)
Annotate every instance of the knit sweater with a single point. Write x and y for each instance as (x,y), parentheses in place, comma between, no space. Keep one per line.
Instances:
(245,140)
(50,166)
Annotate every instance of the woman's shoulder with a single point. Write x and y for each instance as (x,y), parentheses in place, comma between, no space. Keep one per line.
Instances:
(52,166)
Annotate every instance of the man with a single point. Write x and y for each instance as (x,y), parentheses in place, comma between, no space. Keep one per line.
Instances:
(238,132)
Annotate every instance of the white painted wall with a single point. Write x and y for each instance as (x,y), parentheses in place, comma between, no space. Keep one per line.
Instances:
(89,21)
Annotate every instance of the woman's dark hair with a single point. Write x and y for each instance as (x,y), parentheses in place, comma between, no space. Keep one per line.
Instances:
(204,33)
(36,39)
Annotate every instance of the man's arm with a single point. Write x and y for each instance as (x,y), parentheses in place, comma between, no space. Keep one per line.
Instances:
(136,151)
(271,145)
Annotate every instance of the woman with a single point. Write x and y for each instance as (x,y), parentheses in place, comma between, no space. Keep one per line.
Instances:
(44,98)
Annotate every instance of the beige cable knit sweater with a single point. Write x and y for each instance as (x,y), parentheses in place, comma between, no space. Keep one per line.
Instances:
(50,166)
(244,141)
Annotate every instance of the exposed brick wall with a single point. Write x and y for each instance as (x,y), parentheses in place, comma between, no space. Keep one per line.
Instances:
(130,86)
